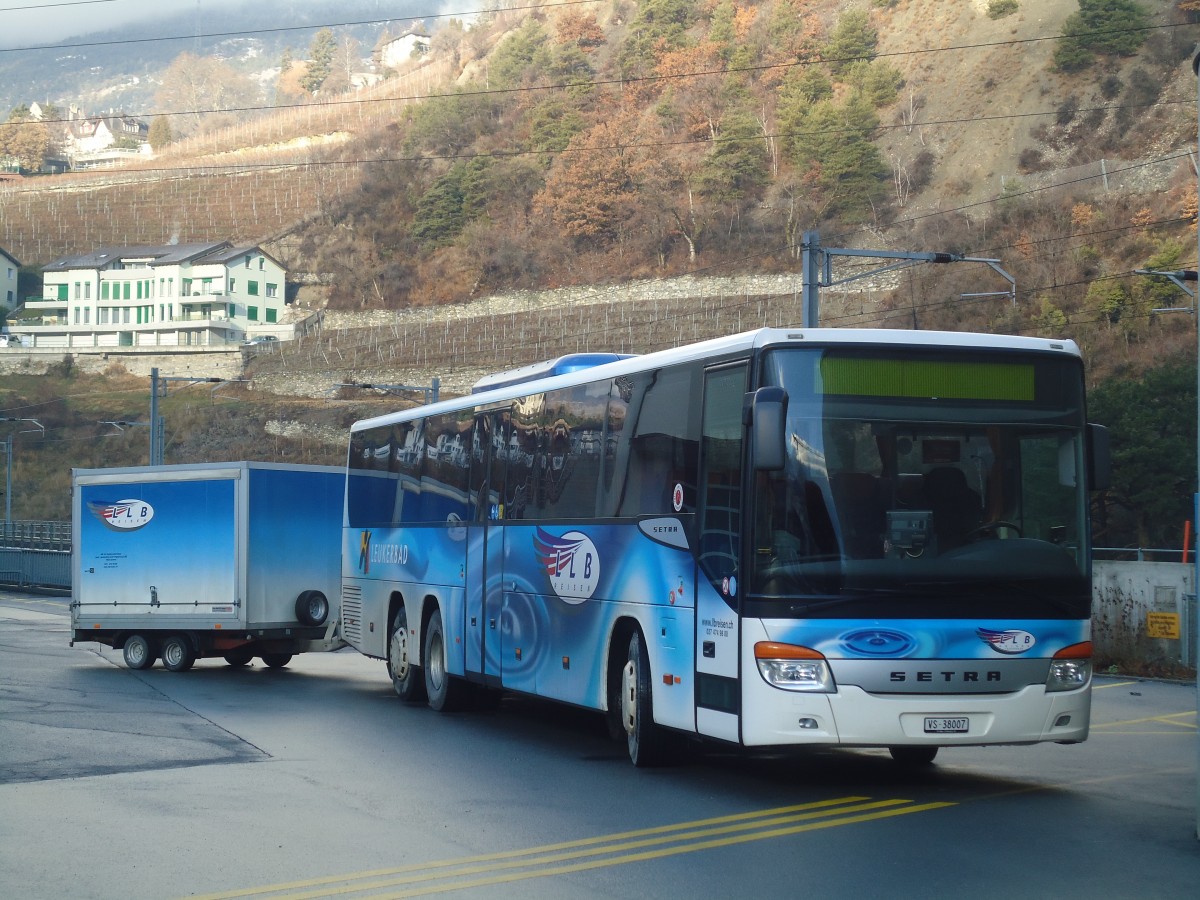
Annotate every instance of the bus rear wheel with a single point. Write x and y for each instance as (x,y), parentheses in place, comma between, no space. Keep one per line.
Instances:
(445,692)
(407,678)
(646,741)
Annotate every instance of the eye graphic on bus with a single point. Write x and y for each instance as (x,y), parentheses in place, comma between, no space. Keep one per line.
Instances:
(879,642)
(571,562)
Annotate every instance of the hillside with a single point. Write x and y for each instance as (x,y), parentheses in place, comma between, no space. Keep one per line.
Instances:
(463,176)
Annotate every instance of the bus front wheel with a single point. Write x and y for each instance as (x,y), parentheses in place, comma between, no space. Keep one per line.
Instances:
(647,742)
(406,675)
(913,756)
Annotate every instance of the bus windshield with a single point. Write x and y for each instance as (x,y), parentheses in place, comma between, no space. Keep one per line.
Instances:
(919,485)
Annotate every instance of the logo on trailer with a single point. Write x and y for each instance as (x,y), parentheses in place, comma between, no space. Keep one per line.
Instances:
(1010,642)
(571,563)
(123,515)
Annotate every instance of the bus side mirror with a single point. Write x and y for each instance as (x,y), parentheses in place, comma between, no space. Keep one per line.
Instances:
(1099,458)
(768,426)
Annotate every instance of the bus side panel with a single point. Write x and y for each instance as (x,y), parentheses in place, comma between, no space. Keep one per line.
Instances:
(414,562)
(565,588)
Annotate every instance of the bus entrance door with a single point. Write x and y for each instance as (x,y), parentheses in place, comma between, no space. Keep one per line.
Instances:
(717,622)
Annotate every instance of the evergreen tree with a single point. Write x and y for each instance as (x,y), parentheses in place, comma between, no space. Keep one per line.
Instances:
(853,40)
(833,144)
(320,60)
(1152,423)
(1106,27)
(527,51)
(451,202)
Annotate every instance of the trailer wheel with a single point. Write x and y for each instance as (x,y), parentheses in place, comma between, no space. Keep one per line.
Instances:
(406,675)
(139,652)
(312,608)
(177,653)
(239,657)
(277,660)
(647,741)
(445,692)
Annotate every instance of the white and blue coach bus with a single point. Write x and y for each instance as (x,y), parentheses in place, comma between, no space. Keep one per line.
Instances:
(784,537)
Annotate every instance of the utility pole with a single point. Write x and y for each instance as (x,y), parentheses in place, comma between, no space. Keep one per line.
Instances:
(156,423)
(8,457)
(1179,278)
(817,270)
(1196,571)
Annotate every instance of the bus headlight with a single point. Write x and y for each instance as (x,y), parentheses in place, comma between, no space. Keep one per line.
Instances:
(793,668)
(1071,668)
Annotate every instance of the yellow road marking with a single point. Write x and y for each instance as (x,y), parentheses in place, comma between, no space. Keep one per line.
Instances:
(1165,720)
(1101,687)
(593,853)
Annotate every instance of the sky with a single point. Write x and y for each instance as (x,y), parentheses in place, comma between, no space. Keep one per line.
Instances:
(29,23)
(26,23)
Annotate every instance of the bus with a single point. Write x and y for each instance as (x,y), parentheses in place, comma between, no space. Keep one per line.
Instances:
(787,537)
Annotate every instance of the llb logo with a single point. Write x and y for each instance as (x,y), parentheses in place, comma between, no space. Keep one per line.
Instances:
(1010,642)
(571,563)
(123,515)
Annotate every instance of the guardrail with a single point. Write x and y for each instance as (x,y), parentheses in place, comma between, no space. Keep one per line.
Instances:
(36,535)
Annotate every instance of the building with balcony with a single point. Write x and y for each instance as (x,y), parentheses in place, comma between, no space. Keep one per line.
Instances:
(175,295)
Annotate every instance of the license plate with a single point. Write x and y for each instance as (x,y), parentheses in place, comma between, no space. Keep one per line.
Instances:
(947,725)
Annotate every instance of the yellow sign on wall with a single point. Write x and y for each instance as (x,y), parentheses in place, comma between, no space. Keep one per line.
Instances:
(1162,625)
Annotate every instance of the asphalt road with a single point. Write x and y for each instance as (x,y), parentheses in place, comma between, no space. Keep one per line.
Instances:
(315,781)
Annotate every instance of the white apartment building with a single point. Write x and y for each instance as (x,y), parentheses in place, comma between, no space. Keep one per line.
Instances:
(8,280)
(175,295)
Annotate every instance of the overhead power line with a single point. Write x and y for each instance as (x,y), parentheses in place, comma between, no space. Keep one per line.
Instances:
(595,83)
(4,9)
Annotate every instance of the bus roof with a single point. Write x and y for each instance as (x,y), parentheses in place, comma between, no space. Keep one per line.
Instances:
(511,385)
(564,365)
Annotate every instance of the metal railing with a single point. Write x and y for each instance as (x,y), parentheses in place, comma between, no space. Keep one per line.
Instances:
(23,568)
(35,535)
(1142,554)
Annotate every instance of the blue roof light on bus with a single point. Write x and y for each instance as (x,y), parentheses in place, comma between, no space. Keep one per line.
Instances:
(572,362)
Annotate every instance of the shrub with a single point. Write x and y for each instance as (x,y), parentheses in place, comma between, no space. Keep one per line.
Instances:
(998,9)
